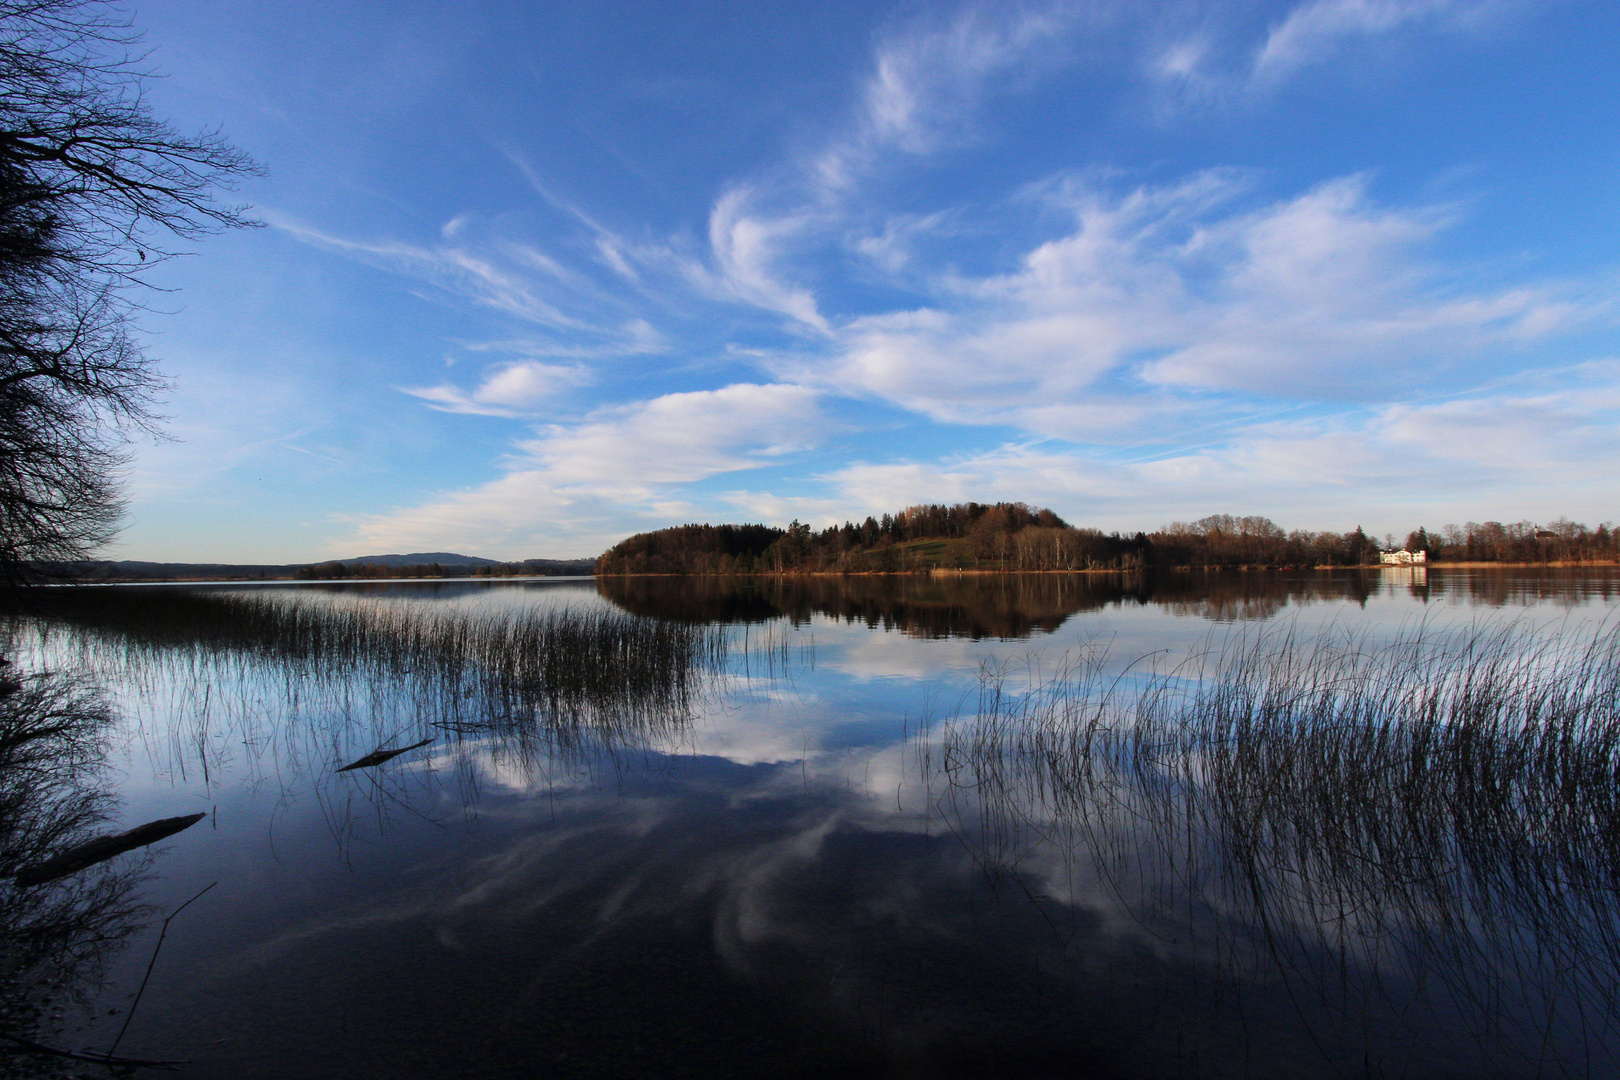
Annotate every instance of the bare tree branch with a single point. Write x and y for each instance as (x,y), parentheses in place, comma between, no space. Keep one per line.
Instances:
(93,189)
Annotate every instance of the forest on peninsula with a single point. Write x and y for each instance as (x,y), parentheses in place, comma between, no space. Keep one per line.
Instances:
(1013,537)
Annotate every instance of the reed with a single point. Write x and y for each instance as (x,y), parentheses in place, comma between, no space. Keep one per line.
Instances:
(1437,815)
(358,669)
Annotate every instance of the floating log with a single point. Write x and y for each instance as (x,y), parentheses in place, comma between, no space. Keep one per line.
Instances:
(377,757)
(103,848)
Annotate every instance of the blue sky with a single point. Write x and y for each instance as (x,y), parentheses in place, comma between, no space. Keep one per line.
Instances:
(535,276)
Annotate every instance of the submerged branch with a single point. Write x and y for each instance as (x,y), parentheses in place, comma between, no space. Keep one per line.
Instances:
(103,848)
(377,757)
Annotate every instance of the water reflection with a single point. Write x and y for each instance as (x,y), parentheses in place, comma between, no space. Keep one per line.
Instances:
(979,606)
(1307,852)
(1418,843)
(309,675)
(56,938)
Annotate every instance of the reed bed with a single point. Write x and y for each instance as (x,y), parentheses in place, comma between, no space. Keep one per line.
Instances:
(344,671)
(1437,815)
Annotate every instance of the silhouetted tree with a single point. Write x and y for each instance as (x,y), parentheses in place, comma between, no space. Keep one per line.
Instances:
(93,189)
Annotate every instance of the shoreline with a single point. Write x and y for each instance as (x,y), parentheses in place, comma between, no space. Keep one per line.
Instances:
(217,580)
(937,572)
(943,572)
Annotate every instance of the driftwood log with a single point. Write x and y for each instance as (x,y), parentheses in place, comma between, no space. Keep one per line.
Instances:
(103,848)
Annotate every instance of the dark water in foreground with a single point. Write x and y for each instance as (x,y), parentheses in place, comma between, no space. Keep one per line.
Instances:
(1333,824)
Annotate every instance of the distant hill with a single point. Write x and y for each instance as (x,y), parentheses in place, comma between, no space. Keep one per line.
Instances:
(985,537)
(926,536)
(420,558)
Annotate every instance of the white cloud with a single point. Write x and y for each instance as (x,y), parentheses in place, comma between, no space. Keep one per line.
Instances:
(679,437)
(1155,294)
(745,246)
(583,310)
(1471,456)
(583,487)
(1177,292)
(513,389)
(926,85)
(1566,433)
(922,92)
(1189,316)
(1221,61)
(1182,59)
(769,507)
(474,275)
(885,487)
(1315,31)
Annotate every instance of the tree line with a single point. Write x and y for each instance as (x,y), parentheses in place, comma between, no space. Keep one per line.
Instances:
(1013,536)
(1522,541)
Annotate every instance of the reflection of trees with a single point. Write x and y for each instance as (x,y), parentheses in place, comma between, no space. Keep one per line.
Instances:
(1021,605)
(56,938)
(1520,588)
(975,605)
(1254,596)
(692,599)
(1421,843)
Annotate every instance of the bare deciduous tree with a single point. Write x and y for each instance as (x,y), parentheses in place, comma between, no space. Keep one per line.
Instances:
(93,189)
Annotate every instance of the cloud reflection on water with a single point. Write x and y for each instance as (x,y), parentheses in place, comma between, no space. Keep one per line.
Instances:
(813,850)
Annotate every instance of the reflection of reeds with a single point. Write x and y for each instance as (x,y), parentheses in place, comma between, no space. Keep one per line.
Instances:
(533,678)
(1440,813)
(560,662)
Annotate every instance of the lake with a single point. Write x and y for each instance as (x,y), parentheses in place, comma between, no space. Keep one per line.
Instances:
(1359,823)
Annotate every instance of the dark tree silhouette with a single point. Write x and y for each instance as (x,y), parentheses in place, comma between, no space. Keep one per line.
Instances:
(93,189)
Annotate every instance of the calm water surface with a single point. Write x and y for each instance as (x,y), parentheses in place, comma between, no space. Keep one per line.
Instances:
(885,826)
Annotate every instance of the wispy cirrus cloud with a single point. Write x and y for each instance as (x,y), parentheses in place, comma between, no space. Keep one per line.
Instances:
(919,98)
(927,82)
(1162,295)
(457,268)
(746,248)
(577,308)
(1231,61)
(1196,341)
(1317,31)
